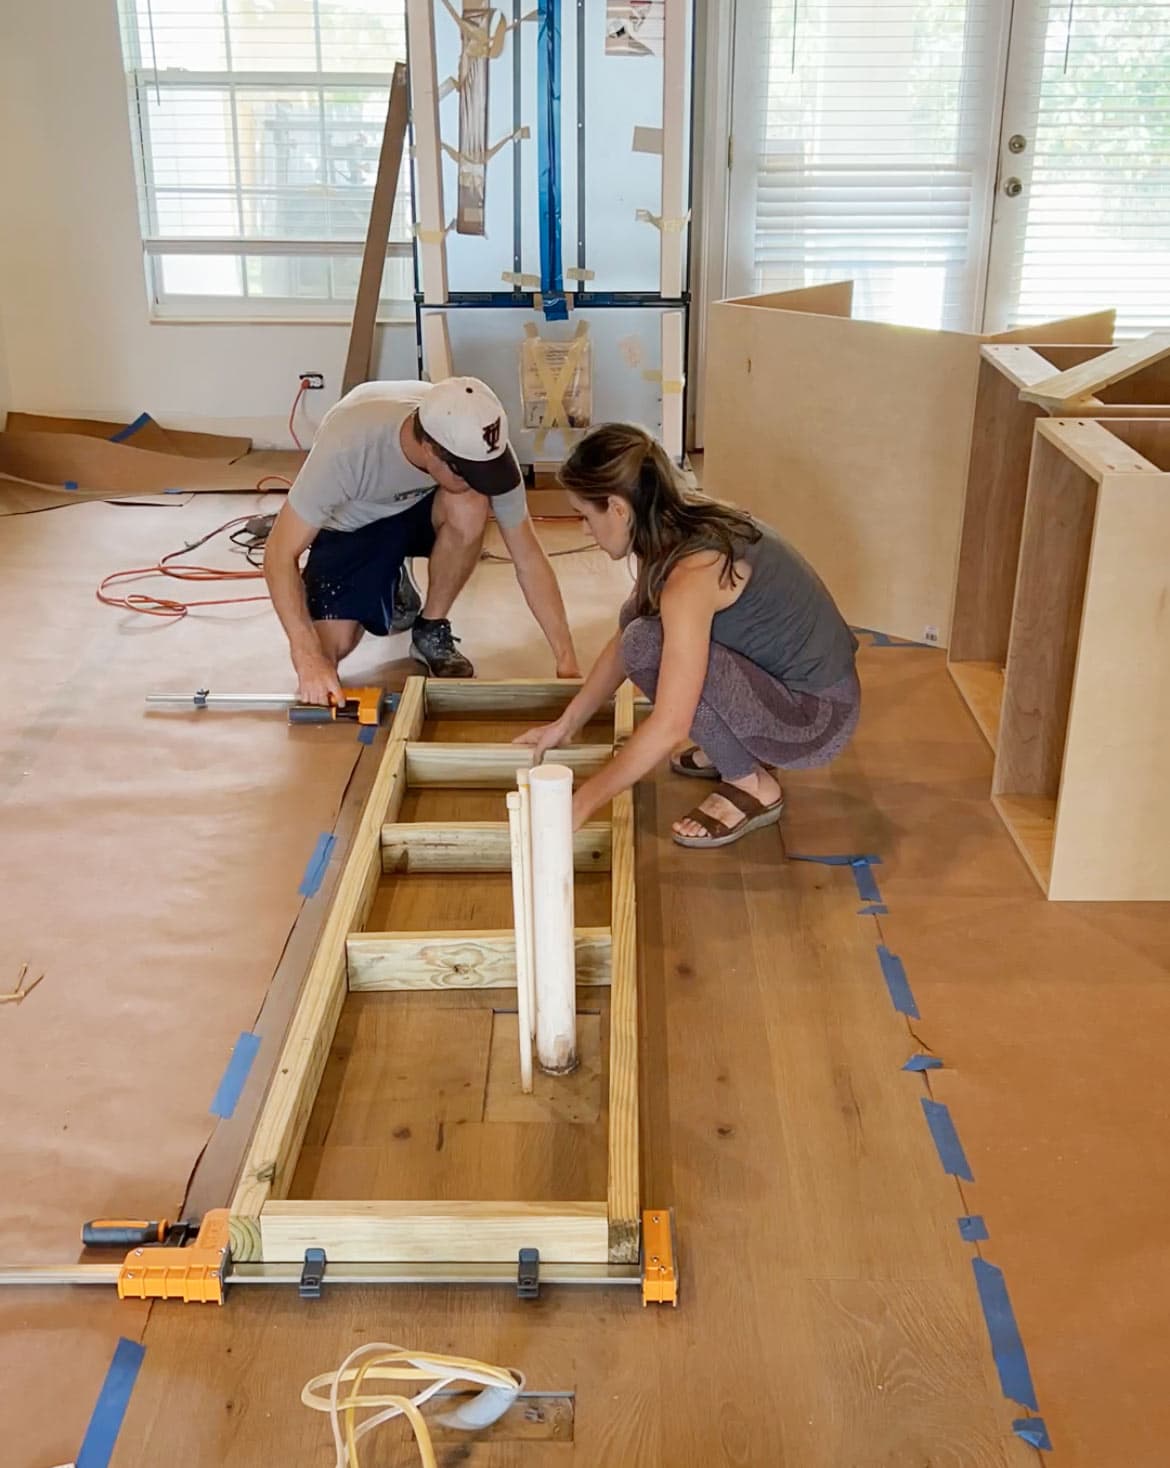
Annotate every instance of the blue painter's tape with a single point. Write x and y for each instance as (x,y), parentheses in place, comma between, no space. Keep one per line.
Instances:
(972,1229)
(367,734)
(1006,1345)
(867,887)
(1033,1430)
(894,973)
(946,1139)
(548,147)
(131,428)
(883,639)
(232,1083)
(102,1433)
(923,1062)
(875,909)
(71,484)
(317,864)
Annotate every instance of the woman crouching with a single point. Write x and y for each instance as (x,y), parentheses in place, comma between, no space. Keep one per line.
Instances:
(729,632)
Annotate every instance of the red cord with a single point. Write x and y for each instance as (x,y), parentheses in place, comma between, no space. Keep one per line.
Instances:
(301,391)
(161,606)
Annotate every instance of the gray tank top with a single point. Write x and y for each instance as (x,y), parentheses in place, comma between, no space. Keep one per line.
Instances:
(785,621)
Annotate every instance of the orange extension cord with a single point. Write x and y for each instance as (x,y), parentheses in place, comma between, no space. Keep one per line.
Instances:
(162,606)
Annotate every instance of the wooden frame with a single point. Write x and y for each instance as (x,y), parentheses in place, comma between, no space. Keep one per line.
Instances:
(591,1233)
(1019,385)
(1082,780)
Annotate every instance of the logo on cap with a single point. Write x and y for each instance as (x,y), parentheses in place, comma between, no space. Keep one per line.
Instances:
(491,435)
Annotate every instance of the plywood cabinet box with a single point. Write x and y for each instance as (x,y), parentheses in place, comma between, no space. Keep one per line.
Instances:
(1017,386)
(852,438)
(1082,767)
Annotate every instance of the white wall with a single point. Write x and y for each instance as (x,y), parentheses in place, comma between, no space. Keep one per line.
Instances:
(73,304)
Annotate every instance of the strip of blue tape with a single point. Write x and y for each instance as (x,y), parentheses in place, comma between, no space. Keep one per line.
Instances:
(131,428)
(883,639)
(106,1422)
(946,1140)
(972,1229)
(1033,1430)
(71,484)
(867,887)
(548,147)
(367,734)
(894,973)
(875,909)
(923,1062)
(232,1083)
(318,862)
(1007,1346)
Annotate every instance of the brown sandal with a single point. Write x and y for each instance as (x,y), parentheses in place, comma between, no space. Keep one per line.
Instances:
(684,764)
(718,834)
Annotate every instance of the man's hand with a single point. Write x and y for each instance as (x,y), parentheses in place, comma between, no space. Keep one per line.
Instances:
(543,738)
(317,680)
(568,666)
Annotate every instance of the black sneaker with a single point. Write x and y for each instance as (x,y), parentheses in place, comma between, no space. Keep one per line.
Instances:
(407,600)
(434,646)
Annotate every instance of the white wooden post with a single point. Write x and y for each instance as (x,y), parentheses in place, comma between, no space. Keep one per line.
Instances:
(551,788)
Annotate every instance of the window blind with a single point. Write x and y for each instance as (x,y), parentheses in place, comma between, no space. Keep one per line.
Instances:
(876,126)
(257,127)
(1089,92)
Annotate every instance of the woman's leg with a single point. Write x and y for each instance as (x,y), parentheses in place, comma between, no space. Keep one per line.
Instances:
(747,720)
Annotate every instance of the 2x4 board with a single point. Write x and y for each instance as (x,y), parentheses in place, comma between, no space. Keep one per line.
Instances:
(597,1236)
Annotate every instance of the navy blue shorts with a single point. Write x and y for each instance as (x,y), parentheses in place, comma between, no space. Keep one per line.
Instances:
(350,574)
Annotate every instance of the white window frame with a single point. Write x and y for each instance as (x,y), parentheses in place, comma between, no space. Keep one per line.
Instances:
(171,307)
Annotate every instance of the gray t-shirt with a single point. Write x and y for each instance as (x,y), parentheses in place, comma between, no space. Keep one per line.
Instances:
(356,472)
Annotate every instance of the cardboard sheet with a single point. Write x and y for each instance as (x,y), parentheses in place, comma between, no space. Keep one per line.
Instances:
(151,865)
(73,463)
(151,872)
(142,433)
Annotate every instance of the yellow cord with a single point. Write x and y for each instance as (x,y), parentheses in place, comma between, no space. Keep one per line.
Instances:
(392,1363)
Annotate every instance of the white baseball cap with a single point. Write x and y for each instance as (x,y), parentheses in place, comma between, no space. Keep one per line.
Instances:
(467,420)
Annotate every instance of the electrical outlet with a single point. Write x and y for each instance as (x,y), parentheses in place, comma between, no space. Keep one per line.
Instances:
(313,380)
(930,634)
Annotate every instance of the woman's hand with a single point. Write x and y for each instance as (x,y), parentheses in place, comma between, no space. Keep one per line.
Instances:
(543,738)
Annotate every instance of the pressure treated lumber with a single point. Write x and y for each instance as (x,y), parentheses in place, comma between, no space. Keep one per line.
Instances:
(476,846)
(461,959)
(490,766)
(623,1199)
(272,1152)
(504,698)
(1063,392)
(456,1231)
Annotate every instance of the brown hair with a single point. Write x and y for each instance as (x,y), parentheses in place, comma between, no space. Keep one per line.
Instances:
(622,461)
(421,436)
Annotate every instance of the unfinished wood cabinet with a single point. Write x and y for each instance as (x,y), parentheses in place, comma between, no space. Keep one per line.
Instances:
(1082,769)
(1017,386)
(397,1078)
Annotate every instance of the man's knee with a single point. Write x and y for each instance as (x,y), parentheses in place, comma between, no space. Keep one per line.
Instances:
(338,637)
(642,646)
